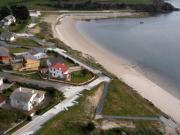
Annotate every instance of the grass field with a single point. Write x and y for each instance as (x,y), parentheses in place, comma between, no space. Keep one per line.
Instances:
(81,76)
(75,121)
(17,50)
(123,101)
(7,118)
(34,76)
(25,42)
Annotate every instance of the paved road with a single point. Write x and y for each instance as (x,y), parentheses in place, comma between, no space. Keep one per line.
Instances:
(4,44)
(99,108)
(131,118)
(10,77)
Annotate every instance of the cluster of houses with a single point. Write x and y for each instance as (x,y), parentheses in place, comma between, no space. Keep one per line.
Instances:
(24,99)
(31,61)
(5,23)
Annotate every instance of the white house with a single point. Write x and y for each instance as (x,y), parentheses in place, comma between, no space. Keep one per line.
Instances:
(26,99)
(1,81)
(59,70)
(7,36)
(1,85)
(35,13)
(8,20)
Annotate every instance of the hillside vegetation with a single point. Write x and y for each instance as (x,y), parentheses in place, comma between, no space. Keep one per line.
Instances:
(139,5)
(35,2)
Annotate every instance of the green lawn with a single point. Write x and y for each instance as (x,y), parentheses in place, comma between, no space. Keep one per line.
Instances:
(7,118)
(34,76)
(25,42)
(17,50)
(123,101)
(19,27)
(81,76)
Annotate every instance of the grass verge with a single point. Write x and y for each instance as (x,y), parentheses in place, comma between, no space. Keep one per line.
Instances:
(123,101)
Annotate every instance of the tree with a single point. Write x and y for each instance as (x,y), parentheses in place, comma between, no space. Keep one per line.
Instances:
(89,127)
(4,11)
(20,12)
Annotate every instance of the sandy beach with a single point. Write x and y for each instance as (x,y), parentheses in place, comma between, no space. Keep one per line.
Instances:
(66,31)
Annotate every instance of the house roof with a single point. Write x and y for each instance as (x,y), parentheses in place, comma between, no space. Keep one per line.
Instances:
(4,51)
(9,17)
(24,94)
(54,60)
(60,66)
(2,99)
(29,56)
(37,50)
(7,34)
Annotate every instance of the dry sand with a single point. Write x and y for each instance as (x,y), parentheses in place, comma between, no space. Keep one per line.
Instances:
(65,30)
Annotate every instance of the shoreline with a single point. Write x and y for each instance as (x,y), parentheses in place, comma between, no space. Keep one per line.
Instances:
(67,32)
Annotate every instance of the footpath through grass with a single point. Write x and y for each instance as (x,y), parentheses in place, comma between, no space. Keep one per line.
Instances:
(123,101)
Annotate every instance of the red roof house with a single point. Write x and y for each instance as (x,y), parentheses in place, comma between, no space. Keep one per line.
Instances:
(59,70)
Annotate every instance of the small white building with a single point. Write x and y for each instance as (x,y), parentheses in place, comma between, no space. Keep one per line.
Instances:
(39,56)
(7,36)
(8,20)
(1,85)
(59,70)
(26,99)
(1,81)
(35,13)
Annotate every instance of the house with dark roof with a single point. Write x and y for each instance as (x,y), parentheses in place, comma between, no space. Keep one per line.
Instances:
(4,55)
(38,53)
(7,36)
(8,20)
(60,70)
(26,99)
